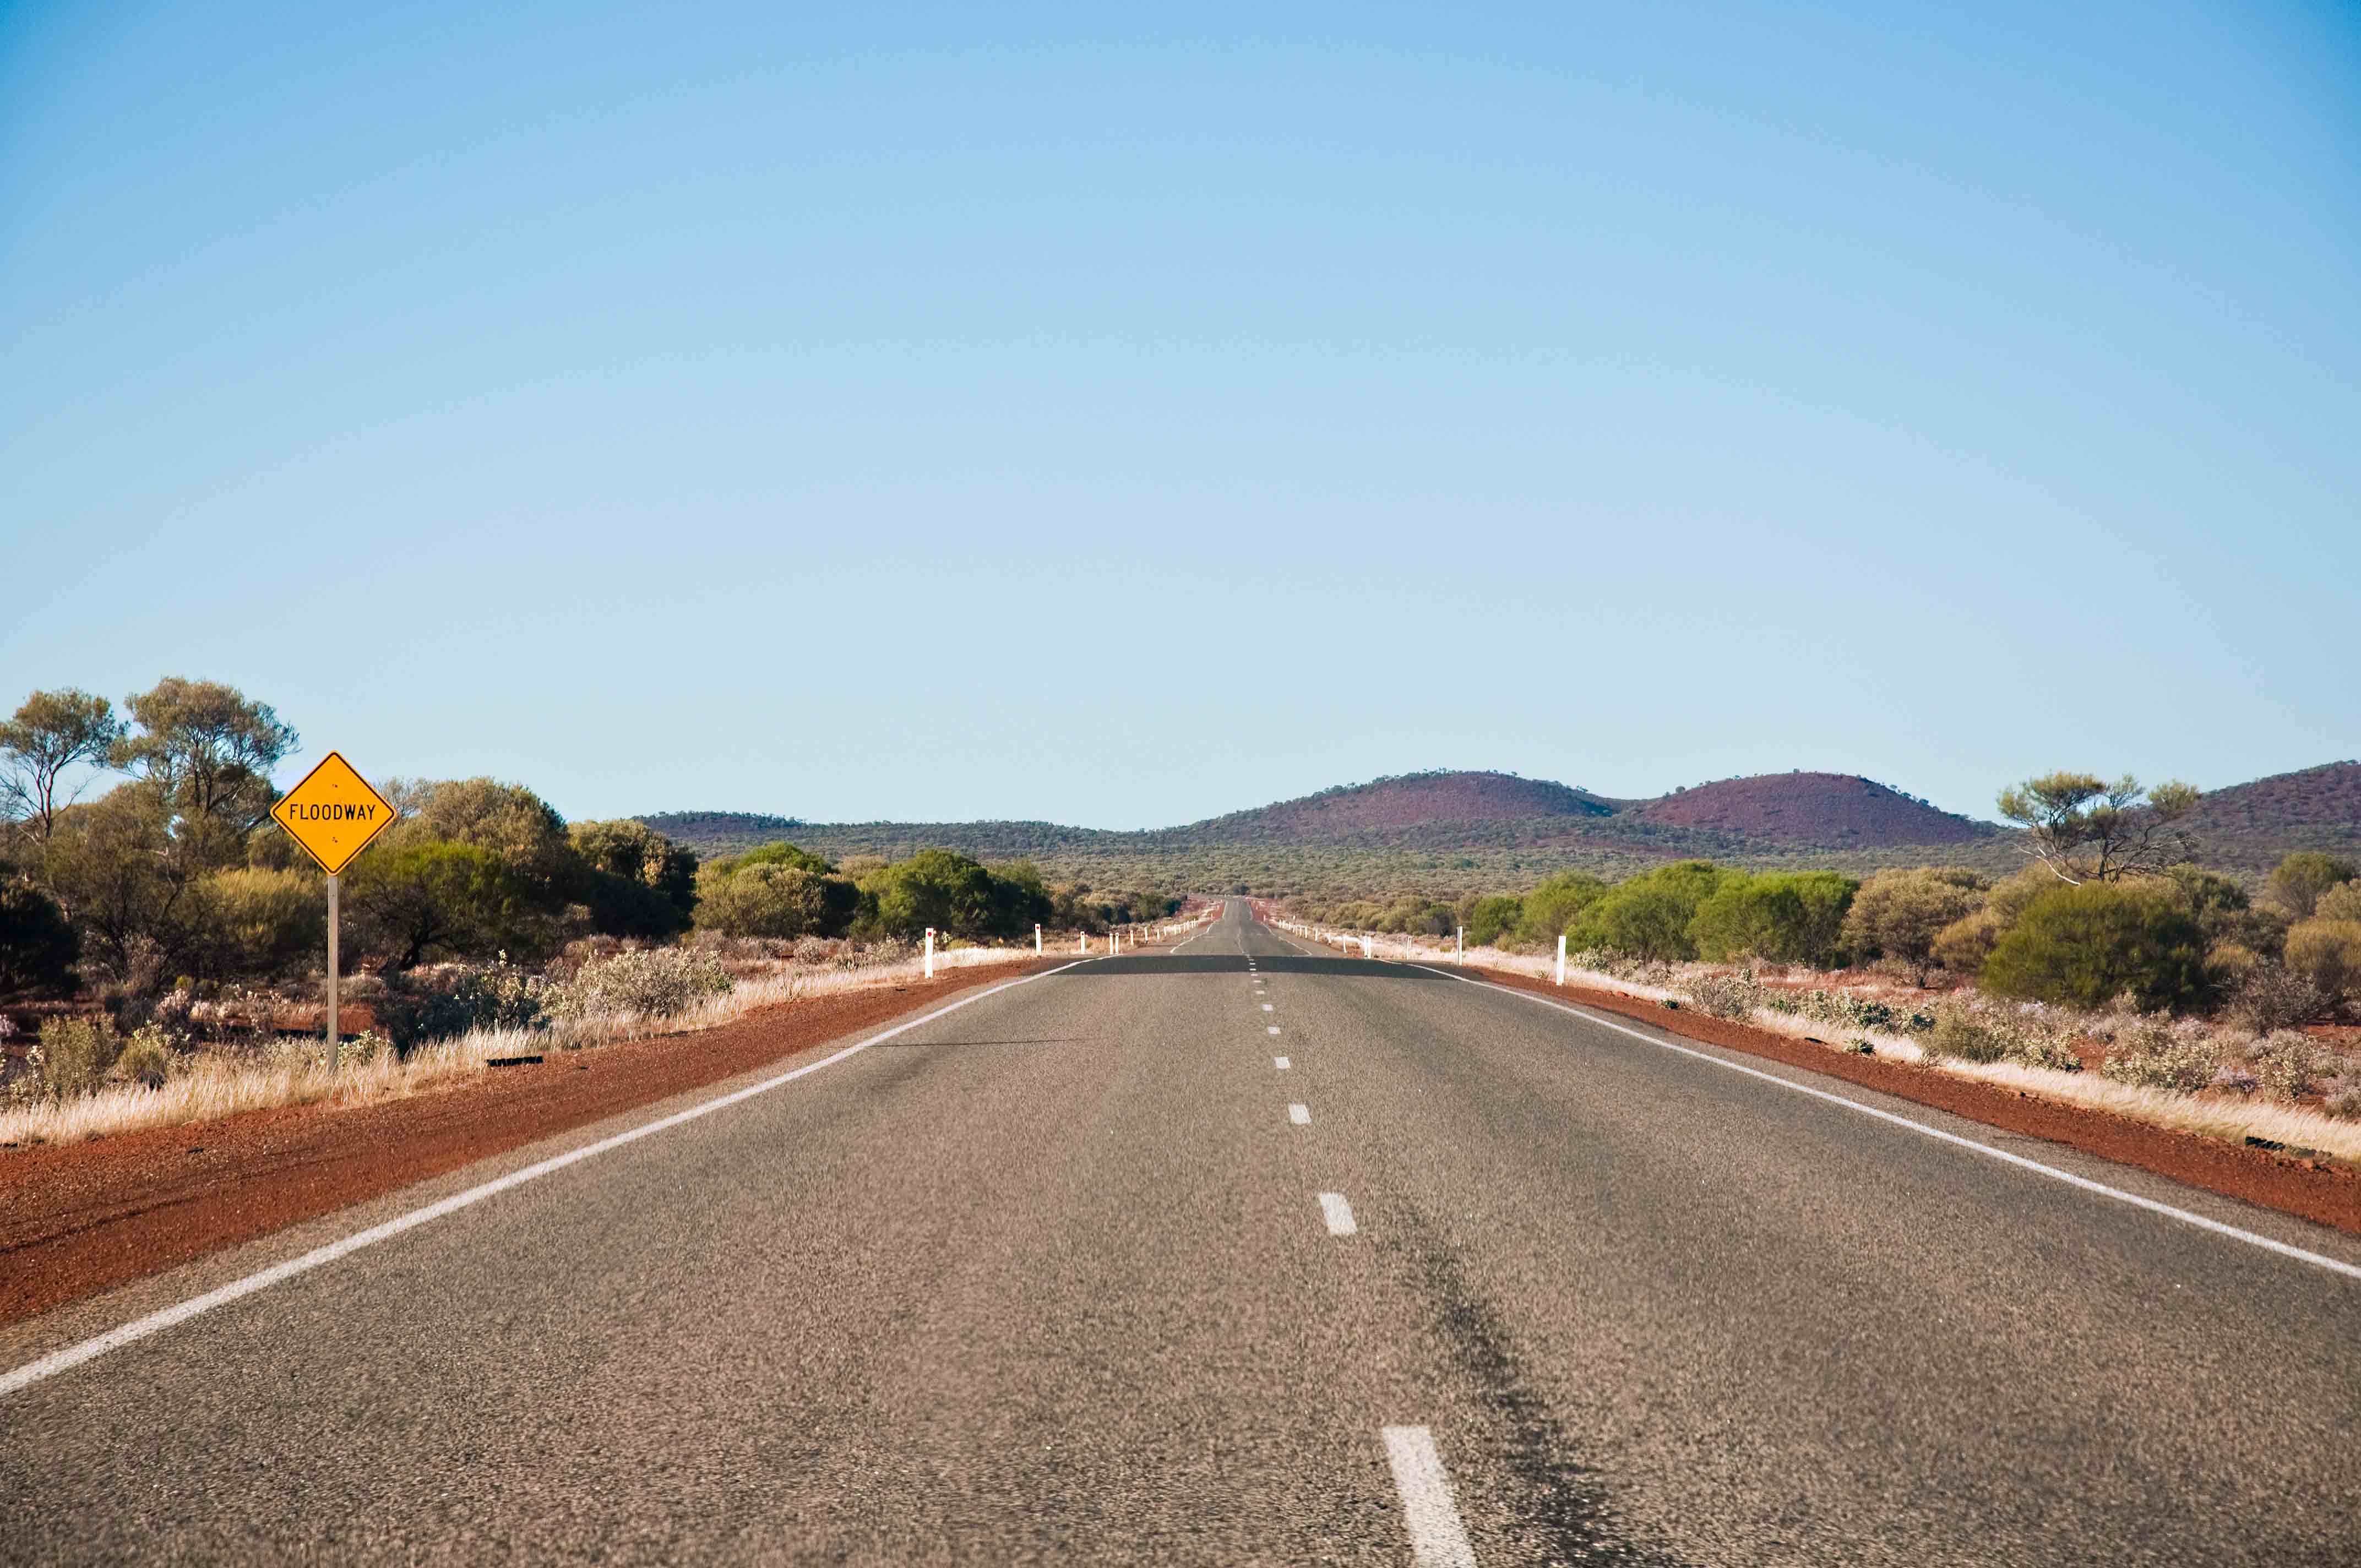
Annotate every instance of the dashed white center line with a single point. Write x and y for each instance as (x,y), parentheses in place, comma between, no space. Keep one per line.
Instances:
(1299,1114)
(1339,1213)
(1282,1063)
(1274,1028)
(1437,1539)
(1267,1008)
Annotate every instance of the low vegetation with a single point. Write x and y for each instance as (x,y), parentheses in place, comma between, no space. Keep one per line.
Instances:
(159,934)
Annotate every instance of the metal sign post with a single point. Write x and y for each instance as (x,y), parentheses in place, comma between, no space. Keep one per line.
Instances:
(334,814)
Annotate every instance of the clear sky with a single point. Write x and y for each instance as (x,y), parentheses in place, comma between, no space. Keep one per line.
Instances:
(1124,414)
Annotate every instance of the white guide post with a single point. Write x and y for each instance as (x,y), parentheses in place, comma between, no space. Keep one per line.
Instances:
(931,953)
(1459,945)
(1561,958)
(1036,937)
(1368,949)
(336,1030)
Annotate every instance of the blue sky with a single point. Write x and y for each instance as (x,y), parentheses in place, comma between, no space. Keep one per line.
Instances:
(1123,415)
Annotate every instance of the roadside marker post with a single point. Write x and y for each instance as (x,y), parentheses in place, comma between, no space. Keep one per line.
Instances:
(334,814)
(931,953)
(1368,951)
(1459,945)
(1561,958)
(1036,937)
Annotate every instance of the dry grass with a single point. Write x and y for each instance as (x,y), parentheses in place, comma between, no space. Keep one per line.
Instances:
(211,1087)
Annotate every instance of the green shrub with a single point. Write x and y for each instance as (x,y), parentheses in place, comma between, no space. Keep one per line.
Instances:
(2087,945)
(441,899)
(1782,916)
(2287,1064)
(1899,914)
(1648,916)
(37,946)
(148,1057)
(76,1054)
(774,900)
(262,923)
(2328,954)
(1549,910)
(2342,901)
(1488,919)
(2300,880)
(1960,1034)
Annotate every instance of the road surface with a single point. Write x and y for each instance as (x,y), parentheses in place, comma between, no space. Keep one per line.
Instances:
(1078,1272)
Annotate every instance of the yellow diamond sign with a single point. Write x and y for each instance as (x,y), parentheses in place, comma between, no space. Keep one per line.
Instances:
(332,812)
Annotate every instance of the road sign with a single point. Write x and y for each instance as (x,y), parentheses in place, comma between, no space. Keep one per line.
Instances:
(334,813)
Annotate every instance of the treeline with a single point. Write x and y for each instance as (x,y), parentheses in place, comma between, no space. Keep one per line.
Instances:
(176,873)
(2105,911)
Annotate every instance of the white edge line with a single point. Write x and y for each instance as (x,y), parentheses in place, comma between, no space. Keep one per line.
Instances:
(2252,1238)
(1437,1538)
(156,1322)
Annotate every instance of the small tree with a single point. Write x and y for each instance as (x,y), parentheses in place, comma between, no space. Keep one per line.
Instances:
(2089,944)
(1648,916)
(1489,918)
(2300,880)
(52,733)
(769,900)
(209,749)
(437,899)
(2086,830)
(1784,917)
(1549,909)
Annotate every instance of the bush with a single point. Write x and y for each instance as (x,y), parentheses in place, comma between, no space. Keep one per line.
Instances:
(2342,901)
(1727,995)
(1648,916)
(1959,1033)
(1488,919)
(76,1054)
(2272,997)
(657,983)
(2297,881)
(1782,916)
(2328,954)
(436,900)
(1545,913)
(444,1003)
(2151,1057)
(148,1057)
(2286,1065)
(37,947)
(2089,944)
(777,901)
(262,923)
(1900,915)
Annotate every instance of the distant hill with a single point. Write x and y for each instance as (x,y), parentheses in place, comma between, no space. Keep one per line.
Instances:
(1403,801)
(2248,826)
(1449,832)
(1837,810)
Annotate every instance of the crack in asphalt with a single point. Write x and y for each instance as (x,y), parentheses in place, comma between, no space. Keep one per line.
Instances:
(1567,1504)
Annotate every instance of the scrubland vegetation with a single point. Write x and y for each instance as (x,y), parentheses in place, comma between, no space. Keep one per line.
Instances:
(2197,1004)
(163,941)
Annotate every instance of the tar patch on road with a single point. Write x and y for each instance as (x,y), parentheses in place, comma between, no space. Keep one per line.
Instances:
(1560,1505)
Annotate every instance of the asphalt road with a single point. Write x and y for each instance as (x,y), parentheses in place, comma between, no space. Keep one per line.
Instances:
(1051,1278)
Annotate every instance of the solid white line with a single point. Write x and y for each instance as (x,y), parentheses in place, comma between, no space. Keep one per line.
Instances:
(1437,1538)
(1299,1114)
(2318,1260)
(1282,1063)
(49,1366)
(1339,1214)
